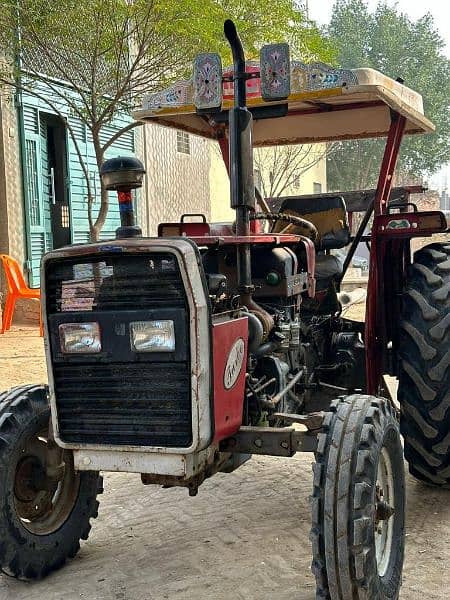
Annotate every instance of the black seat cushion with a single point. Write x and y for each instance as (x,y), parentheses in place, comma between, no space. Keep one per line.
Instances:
(327,213)
(328,265)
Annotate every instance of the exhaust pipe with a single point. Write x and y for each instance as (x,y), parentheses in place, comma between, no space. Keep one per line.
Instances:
(242,187)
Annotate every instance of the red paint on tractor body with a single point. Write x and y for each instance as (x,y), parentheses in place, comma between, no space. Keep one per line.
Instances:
(378,302)
(230,340)
(252,85)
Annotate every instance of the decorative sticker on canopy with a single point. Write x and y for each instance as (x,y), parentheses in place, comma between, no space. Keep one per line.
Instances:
(179,94)
(319,76)
(207,81)
(269,80)
(275,72)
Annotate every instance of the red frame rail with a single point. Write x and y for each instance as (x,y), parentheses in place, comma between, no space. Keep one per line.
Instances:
(375,337)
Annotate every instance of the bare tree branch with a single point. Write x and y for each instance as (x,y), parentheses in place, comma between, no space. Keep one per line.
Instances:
(282,166)
(119,133)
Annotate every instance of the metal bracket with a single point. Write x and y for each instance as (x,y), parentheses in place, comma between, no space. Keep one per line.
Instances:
(312,421)
(271,441)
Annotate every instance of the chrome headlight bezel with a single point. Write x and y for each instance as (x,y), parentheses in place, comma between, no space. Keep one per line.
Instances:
(80,338)
(153,336)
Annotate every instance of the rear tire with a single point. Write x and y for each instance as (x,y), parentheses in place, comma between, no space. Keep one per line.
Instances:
(358,502)
(424,375)
(42,518)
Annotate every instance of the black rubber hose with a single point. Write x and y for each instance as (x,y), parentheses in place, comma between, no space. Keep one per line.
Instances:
(255,332)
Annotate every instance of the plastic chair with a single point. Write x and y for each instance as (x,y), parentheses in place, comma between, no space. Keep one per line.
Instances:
(17,288)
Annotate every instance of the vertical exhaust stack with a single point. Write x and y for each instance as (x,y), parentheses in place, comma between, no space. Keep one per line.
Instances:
(124,174)
(242,187)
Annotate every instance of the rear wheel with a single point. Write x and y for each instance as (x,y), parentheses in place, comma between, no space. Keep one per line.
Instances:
(358,502)
(424,391)
(45,505)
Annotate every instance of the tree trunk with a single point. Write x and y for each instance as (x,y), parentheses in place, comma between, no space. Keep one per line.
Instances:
(93,233)
(97,226)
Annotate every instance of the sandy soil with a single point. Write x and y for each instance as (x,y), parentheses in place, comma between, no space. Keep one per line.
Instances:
(245,536)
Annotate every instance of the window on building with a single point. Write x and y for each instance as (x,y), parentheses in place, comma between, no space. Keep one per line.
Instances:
(65,218)
(183,142)
(317,188)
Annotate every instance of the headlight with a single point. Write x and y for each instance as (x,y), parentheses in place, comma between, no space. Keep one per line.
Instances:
(83,338)
(152,336)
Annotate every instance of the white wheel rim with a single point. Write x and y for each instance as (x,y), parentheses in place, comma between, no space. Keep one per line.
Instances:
(384,527)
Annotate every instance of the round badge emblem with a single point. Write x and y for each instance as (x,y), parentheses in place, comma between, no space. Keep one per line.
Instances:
(233,367)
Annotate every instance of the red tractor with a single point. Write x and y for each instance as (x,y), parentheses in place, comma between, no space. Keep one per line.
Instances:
(182,355)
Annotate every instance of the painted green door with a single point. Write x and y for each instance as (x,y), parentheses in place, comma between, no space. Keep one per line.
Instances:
(39,192)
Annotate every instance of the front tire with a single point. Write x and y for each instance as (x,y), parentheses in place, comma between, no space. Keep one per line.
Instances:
(43,515)
(358,502)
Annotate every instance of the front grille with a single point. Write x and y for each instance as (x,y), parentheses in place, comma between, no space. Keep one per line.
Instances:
(120,397)
(141,405)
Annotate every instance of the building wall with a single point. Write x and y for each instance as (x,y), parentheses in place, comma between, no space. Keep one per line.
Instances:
(78,189)
(219,187)
(177,176)
(317,174)
(445,201)
(12,232)
(20,237)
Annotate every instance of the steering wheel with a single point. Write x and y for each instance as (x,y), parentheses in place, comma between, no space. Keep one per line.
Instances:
(309,229)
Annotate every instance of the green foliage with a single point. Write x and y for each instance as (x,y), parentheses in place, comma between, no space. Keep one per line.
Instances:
(390,42)
(87,42)
(109,53)
(258,22)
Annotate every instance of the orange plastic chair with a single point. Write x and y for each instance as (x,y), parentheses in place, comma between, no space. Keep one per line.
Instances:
(17,288)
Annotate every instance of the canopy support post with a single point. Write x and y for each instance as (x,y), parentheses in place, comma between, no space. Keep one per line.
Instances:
(375,327)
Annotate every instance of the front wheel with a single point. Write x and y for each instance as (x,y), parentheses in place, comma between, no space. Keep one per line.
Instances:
(45,505)
(358,503)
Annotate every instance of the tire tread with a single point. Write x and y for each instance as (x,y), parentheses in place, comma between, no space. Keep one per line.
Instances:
(424,373)
(342,497)
(20,408)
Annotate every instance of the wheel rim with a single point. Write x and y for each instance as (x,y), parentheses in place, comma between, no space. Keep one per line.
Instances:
(43,503)
(384,512)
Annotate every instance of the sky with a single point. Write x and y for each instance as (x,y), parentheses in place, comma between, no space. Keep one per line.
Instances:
(320,11)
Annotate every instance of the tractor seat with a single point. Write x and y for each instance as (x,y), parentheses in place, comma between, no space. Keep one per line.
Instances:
(327,213)
(328,266)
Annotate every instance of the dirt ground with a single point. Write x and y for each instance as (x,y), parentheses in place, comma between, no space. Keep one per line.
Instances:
(245,536)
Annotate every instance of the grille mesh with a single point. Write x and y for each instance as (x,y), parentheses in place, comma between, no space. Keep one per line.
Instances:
(139,401)
(121,283)
(121,404)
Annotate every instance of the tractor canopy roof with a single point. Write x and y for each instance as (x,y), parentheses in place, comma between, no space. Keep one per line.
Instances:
(323,104)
